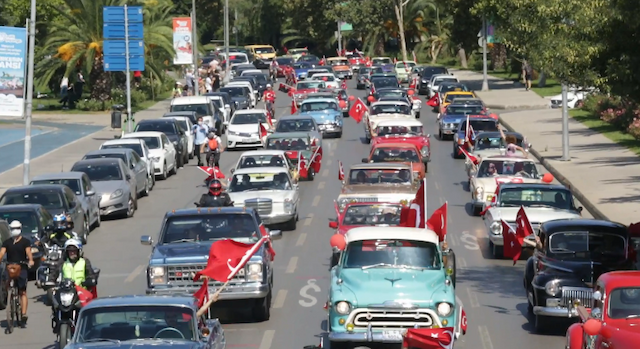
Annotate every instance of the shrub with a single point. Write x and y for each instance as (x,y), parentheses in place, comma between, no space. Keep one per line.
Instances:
(634,127)
(137,98)
(91,105)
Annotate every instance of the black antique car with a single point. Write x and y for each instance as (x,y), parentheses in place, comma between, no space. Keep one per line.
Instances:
(574,253)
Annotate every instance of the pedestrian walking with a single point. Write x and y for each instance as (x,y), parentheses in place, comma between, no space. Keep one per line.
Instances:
(208,83)
(527,73)
(200,131)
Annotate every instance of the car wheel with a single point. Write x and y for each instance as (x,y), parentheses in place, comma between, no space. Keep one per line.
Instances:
(86,228)
(98,220)
(145,191)
(152,178)
(292,224)
(311,174)
(179,161)
(496,251)
(262,309)
(131,208)
(174,170)
(541,323)
(476,210)
(339,135)
(529,298)
(163,175)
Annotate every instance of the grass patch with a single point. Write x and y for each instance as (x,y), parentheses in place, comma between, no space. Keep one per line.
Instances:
(608,130)
(51,105)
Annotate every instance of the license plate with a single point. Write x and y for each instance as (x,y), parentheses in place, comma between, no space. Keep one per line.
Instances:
(447,132)
(489,197)
(392,335)
(247,140)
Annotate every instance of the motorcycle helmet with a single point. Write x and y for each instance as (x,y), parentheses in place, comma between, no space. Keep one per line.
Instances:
(60,223)
(215,188)
(73,248)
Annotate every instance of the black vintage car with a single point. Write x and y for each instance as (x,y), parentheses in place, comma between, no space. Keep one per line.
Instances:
(574,253)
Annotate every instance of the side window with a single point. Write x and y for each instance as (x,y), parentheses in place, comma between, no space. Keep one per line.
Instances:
(132,162)
(136,158)
(69,195)
(86,184)
(42,218)
(165,140)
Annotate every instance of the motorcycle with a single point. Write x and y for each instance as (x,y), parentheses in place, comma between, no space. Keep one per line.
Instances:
(66,307)
(48,271)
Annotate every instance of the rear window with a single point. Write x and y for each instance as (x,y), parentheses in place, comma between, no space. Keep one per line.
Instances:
(49,199)
(73,184)
(264,50)
(156,127)
(135,147)
(248,119)
(200,109)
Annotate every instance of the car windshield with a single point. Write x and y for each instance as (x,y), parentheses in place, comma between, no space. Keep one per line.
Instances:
(587,244)
(288,144)
(463,110)
(133,146)
(264,50)
(377,70)
(364,71)
(450,97)
(390,154)
(431,71)
(318,106)
(28,219)
(248,119)
(448,87)
(106,156)
(152,142)
(164,127)
(624,303)
(200,109)
(497,142)
(372,215)
(298,125)
(284,61)
(100,173)
(443,79)
(262,78)
(480,125)
(378,176)
(385,82)
(310,84)
(381,61)
(391,109)
(136,322)
(302,65)
(309,58)
(399,130)
(405,65)
(403,254)
(493,168)
(339,62)
(72,183)
(49,199)
(233,91)
(209,227)
(259,181)
(324,77)
(528,197)
(262,161)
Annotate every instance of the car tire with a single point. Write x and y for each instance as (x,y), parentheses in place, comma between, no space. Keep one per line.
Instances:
(185,159)
(152,178)
(174,170)
(180,161)
(145,191)
(164,174)
(98,221)
(541,323)
(311,174)
(86,227)
(476,210)
(292,224)
(131,208)
(262,309)
(496,251)
(339,135)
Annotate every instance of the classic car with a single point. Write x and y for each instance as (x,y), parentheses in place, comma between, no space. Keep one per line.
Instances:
(378,81)
(406,153)
(372,122)
(151,322)
(282,61)
(426,73)
(406,131)
(365,214)
(336,95)
(484,177)
(296,145)
(296,53)
(36,223)
(315,60)
(330,80)
(327,114)
(183,247)
(301,69)
(444,87)
(574,253)
(387,280)
(492,143)
(436,80)
(448,97)
(403,70)
(266,158)
(455,114)
(355,59)
(319,70)
(271,191)
(303,88)
(384,62)
(244,128)
(362,78)
(478,123)
(381,182)
(415,104)
(542,202)
(341,67)
(414,101)
(615,311)
(300,123)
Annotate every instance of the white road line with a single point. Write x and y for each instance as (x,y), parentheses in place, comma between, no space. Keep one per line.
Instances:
(328,163)
(267,339)
(302,238)
(452,239)
(293,264)
(462,263)
(22,140)
(308,220)
(281,296)
(325,173)
(473,297)
(485,338)
(437,186)
(134,274)
(316,201)
(321,185)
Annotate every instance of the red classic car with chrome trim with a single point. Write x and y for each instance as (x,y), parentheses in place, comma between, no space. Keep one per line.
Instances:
(613,322)
(398,151)
(403,130)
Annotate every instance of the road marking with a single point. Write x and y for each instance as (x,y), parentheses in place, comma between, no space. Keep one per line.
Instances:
(329,162)
(470,242)
(321,185)
(293,264)
(32,137)
(437,186)
(281,296)
(462,263)
(302,238)
(267,339)
(331,153)
(316,201)
(453,240)
(134,274)
(325,173)
(308,220)
(485,338)
(473,298)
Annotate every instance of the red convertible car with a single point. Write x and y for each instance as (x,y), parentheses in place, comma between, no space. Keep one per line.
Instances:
(403,131)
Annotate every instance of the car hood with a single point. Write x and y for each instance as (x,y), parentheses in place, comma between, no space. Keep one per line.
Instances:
(108,187)
(425,287)
(489,152)
(275,195)
(323,116)
(239,99)
(183,252)
(248,128)
(536,215)
(341,68)
(489,183)
(452,119)
(156,153)
(419,141)
(372,189)
(137,344)
(302,70)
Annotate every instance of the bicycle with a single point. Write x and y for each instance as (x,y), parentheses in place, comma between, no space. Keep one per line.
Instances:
(14,308)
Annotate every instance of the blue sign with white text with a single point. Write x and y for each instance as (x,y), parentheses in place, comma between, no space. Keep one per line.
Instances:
(116,37)
(119,63)
(115,14)
(117,47)
(13,58)
(116,31)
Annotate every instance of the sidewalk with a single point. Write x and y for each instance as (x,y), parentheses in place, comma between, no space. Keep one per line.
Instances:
(68,154)
(603,175)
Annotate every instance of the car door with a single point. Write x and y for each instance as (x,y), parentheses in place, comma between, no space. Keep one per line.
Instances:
(170,150)
(189,135)
(139,169)
(147,158)
(296,189)
(182,133)
(92,198)
(74,208)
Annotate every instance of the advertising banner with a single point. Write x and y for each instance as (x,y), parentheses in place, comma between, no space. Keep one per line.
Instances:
(13,57)
(182,40)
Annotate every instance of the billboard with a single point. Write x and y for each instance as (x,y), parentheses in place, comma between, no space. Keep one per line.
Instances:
(182,40)
(13,54)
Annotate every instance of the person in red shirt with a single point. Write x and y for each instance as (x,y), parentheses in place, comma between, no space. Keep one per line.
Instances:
(270,99)
(137,78)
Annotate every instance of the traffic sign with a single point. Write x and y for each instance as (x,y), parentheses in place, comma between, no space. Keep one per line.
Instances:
(119,63)
(117,47)
(116,38)
(115,14)
(116,30)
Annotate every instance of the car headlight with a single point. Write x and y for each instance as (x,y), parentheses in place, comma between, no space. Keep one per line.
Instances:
(444,309)
(343,308)
(116,194)
(424,151)
(342,203)
(479,193)
(496,228)
(157,275)
(156,271)
(66,298)
(288,205)
(254,271)
(155,159)
(552,287)
(232,133)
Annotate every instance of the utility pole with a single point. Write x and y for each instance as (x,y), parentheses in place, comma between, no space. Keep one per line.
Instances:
(29,104)
(194,49)
(128,70)
(227,71)
(235,25)
(339,38)
(565,125)
(485,81)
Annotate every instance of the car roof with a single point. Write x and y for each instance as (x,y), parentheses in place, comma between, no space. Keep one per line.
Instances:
(143,134)
(562,224)
(336,58)
(459,93)
(250,111)
(100,161)
(400,122)
(156,121)
(109,151)
(533,185)
(395,145)
(388,103)
(507,158)
(296,117)
(124,141)
(392,233)
(20,207)
(204,211)
(266,169)
(493,134)
(620,278)
(263,152)
(59,175)
(134,300)
(181,113)
(317,99)
(190,100)
(289,135)
(381,165)
(34,188)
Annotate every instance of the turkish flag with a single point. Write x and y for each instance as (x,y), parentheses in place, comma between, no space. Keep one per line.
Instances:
(263,131)
(213,172)
(202,294)
(344,85)
(340,171)
(433,101)
(316,163)
(474,160)
(415,217)
(438,221)
(429,338)
(357,110)
(512,243)
(226,257)
(294,108)
(265,235)
(523,226)
(302,167)
(463,321)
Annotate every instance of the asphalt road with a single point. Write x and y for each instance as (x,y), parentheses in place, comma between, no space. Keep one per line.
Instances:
(491,290)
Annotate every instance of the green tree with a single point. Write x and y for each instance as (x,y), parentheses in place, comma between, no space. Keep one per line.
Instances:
(464,29)
(14,13)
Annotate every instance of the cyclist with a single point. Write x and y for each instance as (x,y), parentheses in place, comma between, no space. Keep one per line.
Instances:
(214,146)
(215,197)
(270,100)
(77,268)
(18,250)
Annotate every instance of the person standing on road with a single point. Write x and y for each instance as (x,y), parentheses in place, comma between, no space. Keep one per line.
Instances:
(200,131)
(208,83)
(18,250)
(189,79)
(216,81)
(527,73)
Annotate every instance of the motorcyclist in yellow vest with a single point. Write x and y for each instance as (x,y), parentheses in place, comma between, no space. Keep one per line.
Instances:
(75,266)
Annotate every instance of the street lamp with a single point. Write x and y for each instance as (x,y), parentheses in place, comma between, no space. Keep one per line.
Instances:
(29,101)
(194,49)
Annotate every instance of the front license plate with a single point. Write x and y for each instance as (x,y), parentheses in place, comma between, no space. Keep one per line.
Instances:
(447,132)
(247,140)
(392,335)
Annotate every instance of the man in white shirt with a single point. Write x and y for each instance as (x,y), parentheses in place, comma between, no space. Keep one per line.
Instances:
(208,83)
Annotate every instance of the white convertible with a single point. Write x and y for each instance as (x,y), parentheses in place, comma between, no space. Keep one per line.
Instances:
(385,110)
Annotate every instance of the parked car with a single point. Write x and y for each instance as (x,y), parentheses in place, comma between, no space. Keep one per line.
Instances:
(55,198)
(186,125)
(81,185)
(116,185)
(36,223)
(202,106)
(161,150)
(140,147)
(239,96)
(135,166)
(171,128)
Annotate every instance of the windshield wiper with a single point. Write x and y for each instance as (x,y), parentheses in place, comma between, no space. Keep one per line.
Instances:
(377,265)
(541,205)
(182,240)
(93,340)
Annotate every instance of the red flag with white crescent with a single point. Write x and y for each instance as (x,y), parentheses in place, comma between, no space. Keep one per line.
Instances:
(340,171)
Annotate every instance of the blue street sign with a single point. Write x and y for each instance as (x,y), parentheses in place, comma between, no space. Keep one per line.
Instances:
(116,31)
(115,14)
(117,47)
(119,63)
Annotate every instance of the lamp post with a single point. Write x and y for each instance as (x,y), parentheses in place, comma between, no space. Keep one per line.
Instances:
(565,124)
(194,45)
(485,81)
(29,103)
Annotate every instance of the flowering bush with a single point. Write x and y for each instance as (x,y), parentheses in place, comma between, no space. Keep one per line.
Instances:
(617,111)
(634,128)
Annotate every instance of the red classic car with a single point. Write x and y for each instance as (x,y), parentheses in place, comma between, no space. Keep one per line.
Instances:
(305,87)
(363,214)
(355,59)
(398,151)
(614,320)
(403,131)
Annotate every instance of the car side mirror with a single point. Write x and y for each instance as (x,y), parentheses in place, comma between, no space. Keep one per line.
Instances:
(227,107)
(146,240)
(128,176)
(91,193)
(365,160)
(580,209)
(428,136)
(233,170)
(333,225)
(275,234)
(226,123)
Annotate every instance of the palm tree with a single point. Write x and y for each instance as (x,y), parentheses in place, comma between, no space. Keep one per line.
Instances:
(75,42)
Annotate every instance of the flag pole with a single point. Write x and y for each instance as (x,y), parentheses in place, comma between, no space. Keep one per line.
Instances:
(212,299)
(426,211)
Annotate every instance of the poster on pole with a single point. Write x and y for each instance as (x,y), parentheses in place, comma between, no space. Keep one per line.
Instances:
(13,56)
(182,40)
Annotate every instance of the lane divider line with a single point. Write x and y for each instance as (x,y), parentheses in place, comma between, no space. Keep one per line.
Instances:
(485,337)
(302,238)
(321,185)
(267,339)
(308,220)
(473,299)
(329,161)
(325,173)
(134,274)
(316,201)
(293,264)
(281,296)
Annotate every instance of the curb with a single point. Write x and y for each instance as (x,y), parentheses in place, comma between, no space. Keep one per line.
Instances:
(593,210)
(517,107)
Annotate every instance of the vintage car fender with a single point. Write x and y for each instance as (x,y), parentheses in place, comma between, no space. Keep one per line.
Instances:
(575,335)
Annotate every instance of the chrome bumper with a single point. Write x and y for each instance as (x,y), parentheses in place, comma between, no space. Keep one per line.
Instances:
(555,311)
(231,292)
(367,336)
(277,218)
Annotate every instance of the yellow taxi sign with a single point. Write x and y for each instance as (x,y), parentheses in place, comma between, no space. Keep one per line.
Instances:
(458,89)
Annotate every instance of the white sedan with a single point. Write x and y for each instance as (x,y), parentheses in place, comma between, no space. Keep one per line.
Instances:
(244,129)
(162,151)
(329,79)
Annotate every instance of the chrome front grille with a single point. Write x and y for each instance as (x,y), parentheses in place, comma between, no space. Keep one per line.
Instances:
(182,275)
(392,318)
(365,199)
(248,135)
(571,294)
(261,205)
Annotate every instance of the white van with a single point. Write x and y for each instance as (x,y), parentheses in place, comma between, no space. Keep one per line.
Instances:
(202,105)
